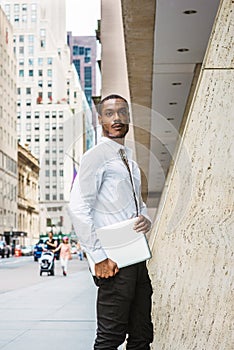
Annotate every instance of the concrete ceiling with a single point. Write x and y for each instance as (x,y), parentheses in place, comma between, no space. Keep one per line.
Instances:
(161,74)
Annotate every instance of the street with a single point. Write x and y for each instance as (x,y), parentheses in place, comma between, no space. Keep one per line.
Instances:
(41,312)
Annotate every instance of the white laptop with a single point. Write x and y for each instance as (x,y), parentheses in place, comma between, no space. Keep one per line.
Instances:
(122,244)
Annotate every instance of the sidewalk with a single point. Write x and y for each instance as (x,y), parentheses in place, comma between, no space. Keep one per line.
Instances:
(56,313)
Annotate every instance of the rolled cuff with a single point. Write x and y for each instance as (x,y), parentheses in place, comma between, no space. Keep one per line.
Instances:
(97,255)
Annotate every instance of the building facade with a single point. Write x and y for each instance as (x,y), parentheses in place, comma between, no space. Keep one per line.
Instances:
(8,134)
(83,50)
(53,116)
(28,203)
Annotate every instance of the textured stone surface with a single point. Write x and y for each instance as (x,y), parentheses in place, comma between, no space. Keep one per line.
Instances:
(192,241)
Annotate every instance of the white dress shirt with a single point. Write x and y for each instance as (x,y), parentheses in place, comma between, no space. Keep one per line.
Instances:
(102,194)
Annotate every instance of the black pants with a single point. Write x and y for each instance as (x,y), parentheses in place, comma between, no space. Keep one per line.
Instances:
(124,307)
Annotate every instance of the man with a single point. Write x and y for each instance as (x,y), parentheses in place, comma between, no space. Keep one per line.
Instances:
(102,194)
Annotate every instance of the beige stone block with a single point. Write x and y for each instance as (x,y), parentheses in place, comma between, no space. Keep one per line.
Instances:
(192,240)
(220,52)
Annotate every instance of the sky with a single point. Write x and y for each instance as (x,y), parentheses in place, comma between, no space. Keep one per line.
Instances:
(82,16)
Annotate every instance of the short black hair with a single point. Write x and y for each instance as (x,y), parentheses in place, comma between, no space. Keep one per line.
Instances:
(109,97)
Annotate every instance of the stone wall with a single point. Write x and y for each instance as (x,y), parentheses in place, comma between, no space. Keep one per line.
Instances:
(192,239)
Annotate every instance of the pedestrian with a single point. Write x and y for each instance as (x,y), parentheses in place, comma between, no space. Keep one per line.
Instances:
(65,254)
(102,194)
(80,251)
(51,243)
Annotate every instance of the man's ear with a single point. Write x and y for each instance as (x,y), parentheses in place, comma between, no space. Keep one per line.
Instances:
(100,119)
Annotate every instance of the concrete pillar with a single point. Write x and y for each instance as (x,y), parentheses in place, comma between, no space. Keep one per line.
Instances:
(192,240)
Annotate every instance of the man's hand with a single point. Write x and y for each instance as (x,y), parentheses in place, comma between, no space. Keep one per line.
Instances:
(106,268)
(142,225)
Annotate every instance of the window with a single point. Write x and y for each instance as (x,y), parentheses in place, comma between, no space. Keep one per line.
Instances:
(18,91)
(54,114)
(49,60)
(77,66)
(21,62)
(24,7)
(47,137)
(28,115)
(37,138)
(88,77)
(49,72)
(28,91)
(47,114)
(54,162)
(60,114)
(49,83)
(75,50)
(28,102)
(16,7)
(61,196)
(28,126)
(40,83)
(54,172)
(31,38)
(31,50)
(16,18)
(36,126)
(40,72)
(30,61)
(47,197)
(60,172)
(54,197)
(34,7)
(21,73)
(47,162)
(87,59)
(47,173)
(43,43)
(47,126)
(21,50)
(40,61)
(30,72)
(81,50)
(21,38)
(28,138)
(36,115)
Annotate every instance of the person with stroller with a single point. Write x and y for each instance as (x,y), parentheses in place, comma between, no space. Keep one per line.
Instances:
(65,254)
(51,243)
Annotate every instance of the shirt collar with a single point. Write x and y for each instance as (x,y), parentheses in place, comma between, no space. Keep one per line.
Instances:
(116,146)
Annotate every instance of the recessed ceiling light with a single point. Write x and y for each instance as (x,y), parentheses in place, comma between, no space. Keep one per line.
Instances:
(170,118)
(183,49)
(190,12)
(172,103)
(176,83)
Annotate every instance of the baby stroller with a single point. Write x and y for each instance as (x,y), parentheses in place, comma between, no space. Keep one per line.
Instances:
(47,263)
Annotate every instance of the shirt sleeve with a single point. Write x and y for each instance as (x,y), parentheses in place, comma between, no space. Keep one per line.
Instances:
(83,197)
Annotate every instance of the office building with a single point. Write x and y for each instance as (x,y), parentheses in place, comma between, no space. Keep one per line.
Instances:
(53,116)
(8,134)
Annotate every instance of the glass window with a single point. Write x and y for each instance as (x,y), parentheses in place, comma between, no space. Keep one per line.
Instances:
(88,76)
(24,18)
(30,50)
(54,197)
(61,196)
(21,38)
(16,18)
(47,197)
(28,126)
(42,32)
(47,173)
(40,61)
(37,138)
(47,162)
(18,91)
(75,50)
(60,172)
(28,91)
(28,115)
(31,38)
(77,66)
(47,137)
(49,72)
(87,59)
(30,72)
(16,7)
(36,114)
(28,138)
(49,60)
(40,83)
(34,7)
(21,73)
(43,43)
(40,72)
(30,61)
(47,114)
(49,83)
(33,17)
(21,50)
(24,7)
(81,50)
(36,126)
(28,102)
(47,126)
(21,62)
(54,172)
